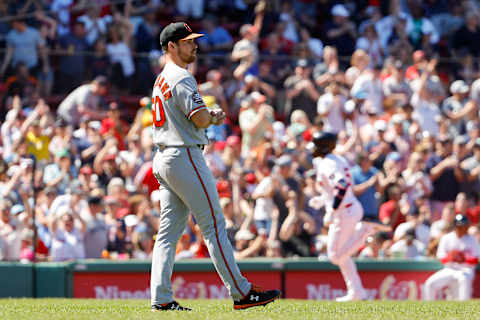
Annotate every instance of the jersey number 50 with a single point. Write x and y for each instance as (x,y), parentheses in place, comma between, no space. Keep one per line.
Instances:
(158,112)
(157,105)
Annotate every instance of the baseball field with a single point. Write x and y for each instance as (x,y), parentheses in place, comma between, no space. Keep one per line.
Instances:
(222,309)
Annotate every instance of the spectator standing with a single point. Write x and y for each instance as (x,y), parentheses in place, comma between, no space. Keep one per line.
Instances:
(395,85)
(446,175)
(119,50)
(358,64)
(24,44)
(191,8)
(421,31)
(96,229)
(417,182)
(438,228)
(60,173)
(213,87)
(245,51)
(84,101)
(72,64)
(366,180)
(11,228)
(62,139)
(98,61)
(145,37)
(340,32)
(301,92)
(95,26)
(370,42)
(471,166)
(455,106)
(255,121)
(38,142)
(425,101)
(61,9)
(330,108)
(415,221)
(391,213)
(68,240)
(216,39)
(370,83)
(264,206)
(325,71)
(467,38)
(408,247)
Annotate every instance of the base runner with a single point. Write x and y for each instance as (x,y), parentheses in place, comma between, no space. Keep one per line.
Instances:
(346,233)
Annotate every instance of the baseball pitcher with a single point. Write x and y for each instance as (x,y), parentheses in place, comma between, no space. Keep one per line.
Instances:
(180,118)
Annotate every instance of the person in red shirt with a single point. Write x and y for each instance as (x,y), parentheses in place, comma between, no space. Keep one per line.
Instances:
(419,63)
(114,126)
(145,178)
(390,211)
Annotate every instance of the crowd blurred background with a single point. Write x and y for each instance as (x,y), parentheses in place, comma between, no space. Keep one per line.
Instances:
(397,80)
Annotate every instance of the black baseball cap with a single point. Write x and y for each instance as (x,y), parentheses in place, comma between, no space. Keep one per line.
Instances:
(461,220)
(177,31)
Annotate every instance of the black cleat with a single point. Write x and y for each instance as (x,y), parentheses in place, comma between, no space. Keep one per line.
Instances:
(256,297)
(172,306)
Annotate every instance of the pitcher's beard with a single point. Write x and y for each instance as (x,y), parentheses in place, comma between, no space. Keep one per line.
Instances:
(190,58)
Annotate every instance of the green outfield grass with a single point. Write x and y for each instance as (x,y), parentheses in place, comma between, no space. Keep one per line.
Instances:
(50,309)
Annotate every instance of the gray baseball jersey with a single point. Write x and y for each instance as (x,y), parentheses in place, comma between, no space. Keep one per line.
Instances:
(175,100)
(186,186)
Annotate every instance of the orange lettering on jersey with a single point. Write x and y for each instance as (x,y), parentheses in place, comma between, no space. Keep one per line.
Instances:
(158,112)
(162,79)
(167,95)
(157,81)
(164,88)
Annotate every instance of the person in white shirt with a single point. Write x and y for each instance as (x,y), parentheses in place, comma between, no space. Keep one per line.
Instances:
(407,247)
(458,251)
(264,206)
(95,26)
(61,8)
(67,240)
(425,100)
(414,221)
(369,81)
(10,231)
(330,107)
(445,223)
(120,53)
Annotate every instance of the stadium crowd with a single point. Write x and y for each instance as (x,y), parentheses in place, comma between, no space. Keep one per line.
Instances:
(397,80)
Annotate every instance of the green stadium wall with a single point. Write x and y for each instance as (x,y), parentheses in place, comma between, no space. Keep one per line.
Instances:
(303,278)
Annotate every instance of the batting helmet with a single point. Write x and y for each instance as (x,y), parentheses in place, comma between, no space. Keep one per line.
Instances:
(323,143)
(461,220)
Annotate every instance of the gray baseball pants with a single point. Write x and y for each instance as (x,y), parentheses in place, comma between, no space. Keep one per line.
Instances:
(187,185)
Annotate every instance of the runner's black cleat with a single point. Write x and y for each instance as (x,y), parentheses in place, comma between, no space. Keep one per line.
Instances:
(172,306)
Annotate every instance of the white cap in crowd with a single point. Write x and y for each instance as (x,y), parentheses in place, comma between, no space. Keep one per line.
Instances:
(339,10)
(459,86)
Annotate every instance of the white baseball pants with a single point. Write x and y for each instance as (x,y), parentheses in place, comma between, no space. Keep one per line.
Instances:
(346,235)
(459,281)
